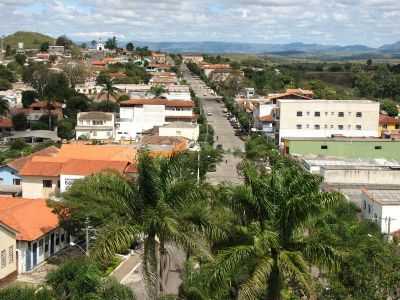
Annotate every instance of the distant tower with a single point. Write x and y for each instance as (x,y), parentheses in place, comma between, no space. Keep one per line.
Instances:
(100,45)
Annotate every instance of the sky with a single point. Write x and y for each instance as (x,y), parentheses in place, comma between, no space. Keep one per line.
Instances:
(341,22)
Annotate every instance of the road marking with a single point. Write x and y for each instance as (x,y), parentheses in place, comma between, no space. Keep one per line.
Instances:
(130,273)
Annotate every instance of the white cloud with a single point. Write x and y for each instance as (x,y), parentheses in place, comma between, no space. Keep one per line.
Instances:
(321,21)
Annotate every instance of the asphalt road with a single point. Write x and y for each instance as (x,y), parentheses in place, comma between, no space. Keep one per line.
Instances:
(224,133)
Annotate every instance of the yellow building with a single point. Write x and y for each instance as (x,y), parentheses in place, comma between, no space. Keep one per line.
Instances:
(8,245)
(388,125)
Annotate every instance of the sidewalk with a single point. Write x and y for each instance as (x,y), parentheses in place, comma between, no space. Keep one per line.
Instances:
(126,267)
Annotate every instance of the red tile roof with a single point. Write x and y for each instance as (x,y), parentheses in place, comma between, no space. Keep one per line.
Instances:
(6,123)
(90,167)
(44,105)
(267,118)
(41,168)
(169,103)
(30,218)
(18,163)
(384,119)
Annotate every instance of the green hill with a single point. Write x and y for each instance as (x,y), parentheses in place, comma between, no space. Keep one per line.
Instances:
(31,40)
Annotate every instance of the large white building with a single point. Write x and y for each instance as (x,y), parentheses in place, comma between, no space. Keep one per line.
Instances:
(326,118)
(95,125)
(138,115)
(187,130)
(382,207)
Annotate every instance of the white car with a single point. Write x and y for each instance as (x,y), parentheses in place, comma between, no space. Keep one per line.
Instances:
(209,114)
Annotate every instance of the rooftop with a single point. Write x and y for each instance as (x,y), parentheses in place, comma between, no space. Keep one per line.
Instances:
(180,125)
(353,101)
(341,139)
(170,103)
(383,197)
(30,218)
(95,115)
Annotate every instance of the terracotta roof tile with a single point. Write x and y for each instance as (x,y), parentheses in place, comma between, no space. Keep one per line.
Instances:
(384,119)
(267,118)
(18,163)
(90,167)
(6,123)
(169,103)
(41,168)
(31,218)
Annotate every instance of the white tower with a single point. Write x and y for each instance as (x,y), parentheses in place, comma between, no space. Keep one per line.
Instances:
(100,45)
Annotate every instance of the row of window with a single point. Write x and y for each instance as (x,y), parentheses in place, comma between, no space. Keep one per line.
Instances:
(4,256)
(16,181)
(49,183)
(325,147)
(339,114)
(318,127)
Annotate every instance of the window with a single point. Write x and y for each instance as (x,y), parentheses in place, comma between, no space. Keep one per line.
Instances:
(47,183)
(298,126)
(326,113)
(358,127)
(308,113)
(340,127)
(46,244)
(376,218)
(349,126)
(317,114)
(41,247)
(378,147)
(16,181)
(326,126)
(308,126)
(359,114)
(369,208)
(57,239)
(341,114)
(94,133)
(10,254)
(385,126)
(332,113)
(331,126)
(365,205)
(3,259)
(324,147)
(63,237)
(317,127)
(299,114)
(58,183)
(97,122)
(349,113)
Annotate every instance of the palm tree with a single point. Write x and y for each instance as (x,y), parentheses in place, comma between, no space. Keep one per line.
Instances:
(4,106)
(109,90)
(157,91)
(164,206)
(275,213)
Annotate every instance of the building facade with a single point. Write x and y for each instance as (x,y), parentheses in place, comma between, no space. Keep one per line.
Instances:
(8,250)
(95,125)
(326,118)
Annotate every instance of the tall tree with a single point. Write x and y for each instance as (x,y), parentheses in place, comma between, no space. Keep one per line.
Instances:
(164,206)
(130,47)
(275,213)
(109,90)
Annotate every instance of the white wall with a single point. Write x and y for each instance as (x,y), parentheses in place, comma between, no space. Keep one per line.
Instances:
(32,187)
(374,211)
(7,240)
(329,119)
(66,181)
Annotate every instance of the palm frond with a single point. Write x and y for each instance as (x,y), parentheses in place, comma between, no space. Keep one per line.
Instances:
(257,283)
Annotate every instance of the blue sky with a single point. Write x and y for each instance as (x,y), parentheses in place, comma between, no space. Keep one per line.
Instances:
(369,22)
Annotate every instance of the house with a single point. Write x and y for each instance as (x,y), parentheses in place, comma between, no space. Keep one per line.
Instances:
(326,118)
(10,180)
(382,207)
(138,115)
(89,88)
(13,97)
(56,50)
(33,136)
(164,146)
(95,125)
(388,125)
(8,248)
(158,58)
(163,78)
(34,233)
(39,109)
(180,129)
(156,67)
(208,69)
(192,57)
(46,176)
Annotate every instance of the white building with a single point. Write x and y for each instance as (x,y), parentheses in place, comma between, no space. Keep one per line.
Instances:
(180,129)
(326,118)
(138,115)
(382,207)
(95,125)
(88,88)
(100,46)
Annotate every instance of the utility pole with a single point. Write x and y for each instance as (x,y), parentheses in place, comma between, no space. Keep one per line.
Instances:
(198,166)
(388,236)
(87,235)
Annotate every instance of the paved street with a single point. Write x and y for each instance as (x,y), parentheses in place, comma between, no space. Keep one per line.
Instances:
(224,132)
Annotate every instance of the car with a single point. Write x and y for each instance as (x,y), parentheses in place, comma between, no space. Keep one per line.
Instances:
(225,111)
(209,114)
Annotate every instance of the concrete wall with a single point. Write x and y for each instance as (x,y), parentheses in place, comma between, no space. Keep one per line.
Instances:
(361,176)
(189,133)
(7,244)
(346,149)
(32,187)
(329,119)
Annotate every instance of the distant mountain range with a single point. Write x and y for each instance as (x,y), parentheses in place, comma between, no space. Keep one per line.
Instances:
(255,48)
(33,40)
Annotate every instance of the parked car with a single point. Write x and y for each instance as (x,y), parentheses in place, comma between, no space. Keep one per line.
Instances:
(209,114)
(219,147)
